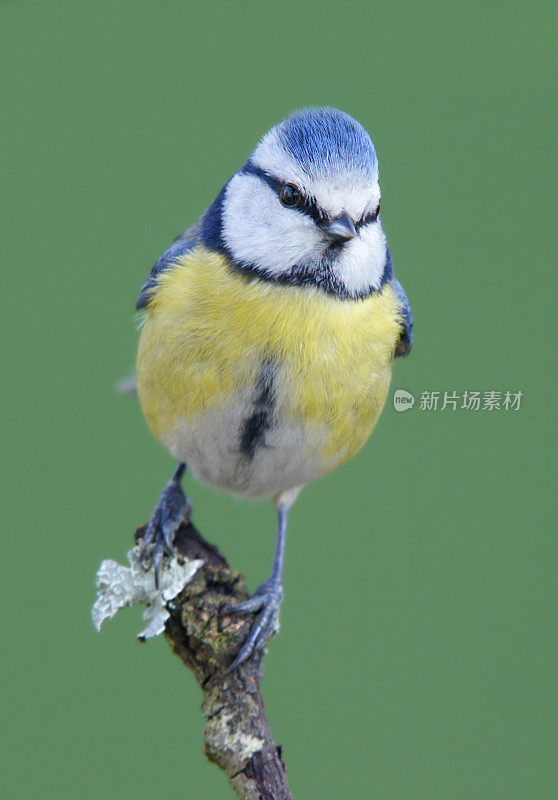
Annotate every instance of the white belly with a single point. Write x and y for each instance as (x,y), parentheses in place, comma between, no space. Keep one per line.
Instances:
(216,447)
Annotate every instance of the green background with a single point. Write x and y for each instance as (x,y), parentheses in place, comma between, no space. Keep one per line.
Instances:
(417,655)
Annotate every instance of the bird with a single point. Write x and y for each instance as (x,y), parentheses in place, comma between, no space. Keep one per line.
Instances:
(270,329)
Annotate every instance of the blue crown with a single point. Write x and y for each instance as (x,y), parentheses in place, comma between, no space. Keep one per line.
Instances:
(327,138)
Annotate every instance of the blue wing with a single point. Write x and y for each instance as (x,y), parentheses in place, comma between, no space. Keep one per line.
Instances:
(405,342)
(183,244)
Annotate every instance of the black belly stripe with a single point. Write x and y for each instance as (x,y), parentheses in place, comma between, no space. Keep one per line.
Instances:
(256,424)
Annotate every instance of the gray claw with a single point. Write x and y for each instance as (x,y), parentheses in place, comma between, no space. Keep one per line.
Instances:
(172,508)
(175,507)
(266,599)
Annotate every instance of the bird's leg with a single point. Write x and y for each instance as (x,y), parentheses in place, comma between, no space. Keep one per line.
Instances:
(172,508)
(267,597)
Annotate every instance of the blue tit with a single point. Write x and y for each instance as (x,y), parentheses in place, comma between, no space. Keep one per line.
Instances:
(270,330)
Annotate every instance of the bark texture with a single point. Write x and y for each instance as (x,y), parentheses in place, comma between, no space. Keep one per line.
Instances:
(237,736)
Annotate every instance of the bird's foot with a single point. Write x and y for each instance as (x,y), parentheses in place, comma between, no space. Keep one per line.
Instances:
(267,601)
(173,508)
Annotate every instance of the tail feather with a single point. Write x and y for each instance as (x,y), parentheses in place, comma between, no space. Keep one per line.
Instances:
(127,385)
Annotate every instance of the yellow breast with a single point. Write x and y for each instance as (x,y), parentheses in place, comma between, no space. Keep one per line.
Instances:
(208,329)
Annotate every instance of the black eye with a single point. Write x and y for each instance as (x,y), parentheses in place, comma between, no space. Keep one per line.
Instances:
(290,196)
(372,216)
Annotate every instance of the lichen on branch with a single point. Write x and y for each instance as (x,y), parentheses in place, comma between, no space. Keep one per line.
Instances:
(193,607)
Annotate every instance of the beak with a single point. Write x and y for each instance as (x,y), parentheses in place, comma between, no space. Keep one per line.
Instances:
(340,229)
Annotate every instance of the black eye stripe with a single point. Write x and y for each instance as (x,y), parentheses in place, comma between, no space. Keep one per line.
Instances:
(367,219)
(308,205)
(312,209)
(271,180)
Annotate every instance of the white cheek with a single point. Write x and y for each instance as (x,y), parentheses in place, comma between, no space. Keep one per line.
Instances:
(258,230)
(362,262)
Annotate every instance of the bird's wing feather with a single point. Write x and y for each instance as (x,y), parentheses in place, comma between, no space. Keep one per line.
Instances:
(405,342)
(184,243)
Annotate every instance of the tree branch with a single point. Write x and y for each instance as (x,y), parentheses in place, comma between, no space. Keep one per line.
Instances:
(237,735)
